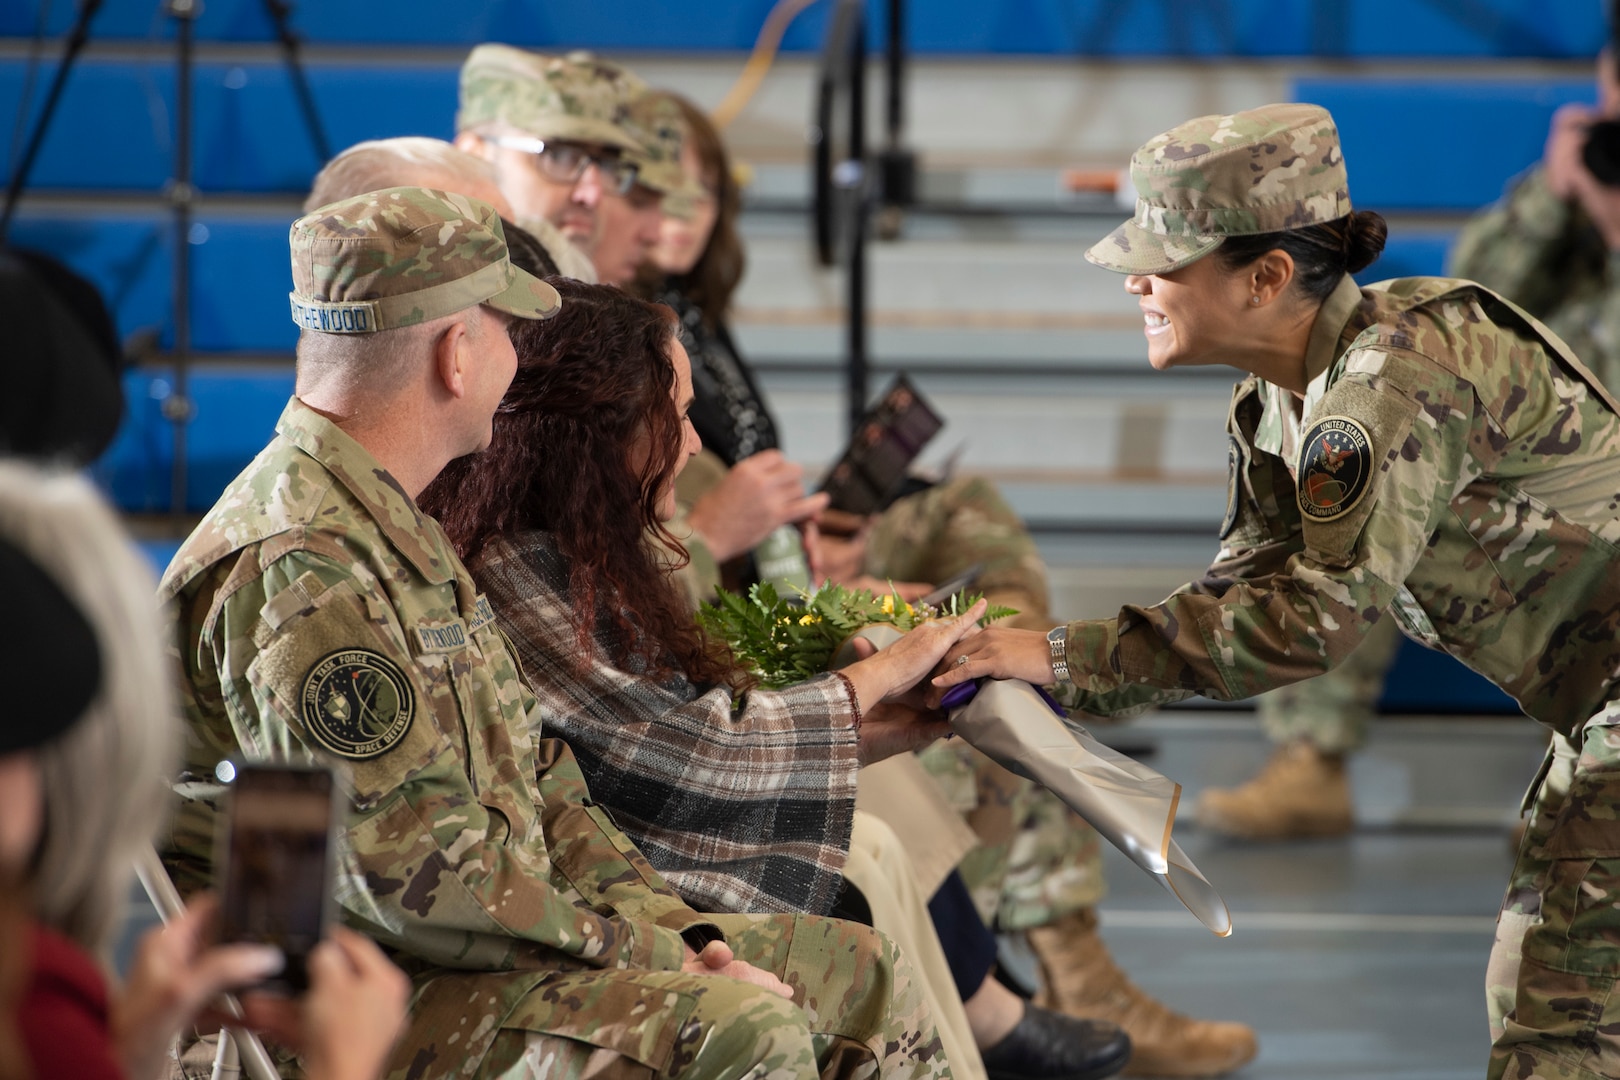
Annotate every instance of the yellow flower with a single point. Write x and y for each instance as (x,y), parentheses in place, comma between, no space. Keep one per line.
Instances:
(888,604)
(807,620)
(910,610)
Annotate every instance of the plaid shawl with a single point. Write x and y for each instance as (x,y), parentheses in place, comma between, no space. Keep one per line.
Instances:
(740,810)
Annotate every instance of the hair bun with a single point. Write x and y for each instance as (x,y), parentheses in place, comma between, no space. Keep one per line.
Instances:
(1365,233)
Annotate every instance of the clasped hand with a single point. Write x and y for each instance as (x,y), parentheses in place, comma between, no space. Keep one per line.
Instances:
(998,652)
(889,691)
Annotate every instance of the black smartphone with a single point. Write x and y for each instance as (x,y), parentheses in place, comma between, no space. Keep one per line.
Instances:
(274,865)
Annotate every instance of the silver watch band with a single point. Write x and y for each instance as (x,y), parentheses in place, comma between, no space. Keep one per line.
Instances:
(1058,641)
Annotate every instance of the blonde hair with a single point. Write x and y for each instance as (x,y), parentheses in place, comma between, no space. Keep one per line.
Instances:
(380,163)
(106,781)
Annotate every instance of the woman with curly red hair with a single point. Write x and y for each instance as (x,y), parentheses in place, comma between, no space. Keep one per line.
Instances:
(743,798)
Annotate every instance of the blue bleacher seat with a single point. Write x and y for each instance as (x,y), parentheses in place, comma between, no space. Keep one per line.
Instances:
(1409,254)
(1401,158)
(113,130)
(1123,28)
(240,276)
(236,411)
(1426,681)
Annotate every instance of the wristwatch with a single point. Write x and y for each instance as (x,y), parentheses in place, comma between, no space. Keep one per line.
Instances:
(1057,639)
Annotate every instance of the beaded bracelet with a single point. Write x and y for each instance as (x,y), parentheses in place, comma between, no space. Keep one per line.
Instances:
(854,702)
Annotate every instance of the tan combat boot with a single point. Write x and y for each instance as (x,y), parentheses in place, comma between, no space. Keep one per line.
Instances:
(1080,978)
(1300,792)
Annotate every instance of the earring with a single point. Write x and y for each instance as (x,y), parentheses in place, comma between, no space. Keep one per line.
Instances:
(1254,300)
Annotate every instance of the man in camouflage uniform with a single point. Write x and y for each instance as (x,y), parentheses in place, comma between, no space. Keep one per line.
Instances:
(317,614)
(579,144)
(1446,460)
(1550,247)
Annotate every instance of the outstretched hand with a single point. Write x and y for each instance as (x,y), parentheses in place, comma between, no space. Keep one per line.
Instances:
(896,670)
(999,652)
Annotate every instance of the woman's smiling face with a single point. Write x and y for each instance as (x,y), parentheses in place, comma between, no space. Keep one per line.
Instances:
(1192,316)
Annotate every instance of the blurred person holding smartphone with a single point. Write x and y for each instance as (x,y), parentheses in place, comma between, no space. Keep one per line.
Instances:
(84,759)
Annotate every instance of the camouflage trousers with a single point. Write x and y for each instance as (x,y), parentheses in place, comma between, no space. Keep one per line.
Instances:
(1037,860)
(938,533)
(1331,711)
(1550,987)
(856,1013)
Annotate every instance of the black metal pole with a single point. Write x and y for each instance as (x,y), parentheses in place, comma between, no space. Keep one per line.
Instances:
(70,51)
(280,12)
(895,71)
(855,282)
(177,407)
(859,205)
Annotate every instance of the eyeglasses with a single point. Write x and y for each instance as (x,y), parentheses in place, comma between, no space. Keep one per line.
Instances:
(566,162)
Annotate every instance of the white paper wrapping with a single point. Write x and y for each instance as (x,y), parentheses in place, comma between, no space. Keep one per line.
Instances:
(1132,806)
(1124,800)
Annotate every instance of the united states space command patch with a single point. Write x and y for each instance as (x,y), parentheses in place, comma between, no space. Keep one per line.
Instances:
(357,703)
(1335,468)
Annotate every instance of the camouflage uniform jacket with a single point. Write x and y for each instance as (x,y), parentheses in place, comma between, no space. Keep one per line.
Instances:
(1545,255)
(473,843)
(1451,463)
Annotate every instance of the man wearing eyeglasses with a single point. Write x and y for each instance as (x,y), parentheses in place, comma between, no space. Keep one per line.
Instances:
(576,143)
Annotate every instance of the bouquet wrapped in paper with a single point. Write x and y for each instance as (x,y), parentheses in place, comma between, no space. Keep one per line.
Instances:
(1012,722)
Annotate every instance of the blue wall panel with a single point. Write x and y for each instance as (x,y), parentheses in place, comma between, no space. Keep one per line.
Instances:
(1429,144)
(113,130)
(1417,254)
(1204,28)
(240,274)
(235,417)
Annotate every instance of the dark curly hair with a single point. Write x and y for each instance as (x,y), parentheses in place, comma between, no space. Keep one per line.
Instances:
(590,381)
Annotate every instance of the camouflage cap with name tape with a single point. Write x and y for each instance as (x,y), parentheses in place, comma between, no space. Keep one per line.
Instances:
(403,256)
(1265,170)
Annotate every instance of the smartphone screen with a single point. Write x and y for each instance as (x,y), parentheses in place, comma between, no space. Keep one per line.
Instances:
(275,863)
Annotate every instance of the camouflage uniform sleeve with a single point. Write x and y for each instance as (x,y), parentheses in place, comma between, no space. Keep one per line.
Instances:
(429,868)
(1296,604)
(1521,246)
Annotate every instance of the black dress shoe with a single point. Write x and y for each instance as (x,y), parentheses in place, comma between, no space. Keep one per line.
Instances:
(1048,1045)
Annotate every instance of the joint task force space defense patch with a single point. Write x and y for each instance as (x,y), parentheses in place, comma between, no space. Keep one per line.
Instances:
(1335,468)
(357,703)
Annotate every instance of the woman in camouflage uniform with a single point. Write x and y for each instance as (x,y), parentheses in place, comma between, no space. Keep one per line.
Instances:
(1420,448)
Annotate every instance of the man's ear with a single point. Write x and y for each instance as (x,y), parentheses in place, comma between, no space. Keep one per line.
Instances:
(452,357)
(468,143)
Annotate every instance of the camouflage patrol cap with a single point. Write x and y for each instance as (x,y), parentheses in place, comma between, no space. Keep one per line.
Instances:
(403,256)
(1269,169)
(654,120)
(577,98)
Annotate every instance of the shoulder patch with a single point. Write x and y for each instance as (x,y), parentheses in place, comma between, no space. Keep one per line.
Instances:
(1335,468)
(357,703)
(1234,466)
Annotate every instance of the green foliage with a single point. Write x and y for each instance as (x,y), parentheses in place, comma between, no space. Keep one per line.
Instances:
(784,641)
